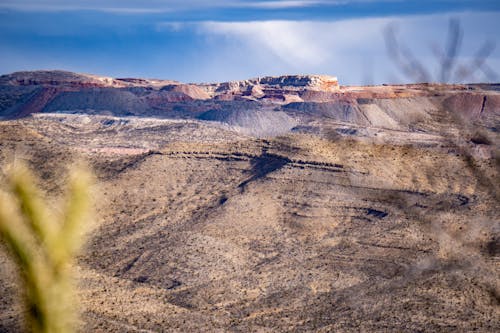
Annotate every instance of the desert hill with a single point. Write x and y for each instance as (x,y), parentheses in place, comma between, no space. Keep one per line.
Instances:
(278,204)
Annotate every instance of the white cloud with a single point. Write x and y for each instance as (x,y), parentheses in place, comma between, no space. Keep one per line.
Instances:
(159,6)
(288,3)
(290,41)
(302,46)
(352,49)
(108,6)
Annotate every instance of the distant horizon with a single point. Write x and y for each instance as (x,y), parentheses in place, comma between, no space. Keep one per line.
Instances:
(248,78)
(195,41)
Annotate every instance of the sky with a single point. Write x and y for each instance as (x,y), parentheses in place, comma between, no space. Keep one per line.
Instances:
(223,40)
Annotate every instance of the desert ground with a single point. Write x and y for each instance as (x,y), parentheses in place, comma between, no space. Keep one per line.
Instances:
(269,205)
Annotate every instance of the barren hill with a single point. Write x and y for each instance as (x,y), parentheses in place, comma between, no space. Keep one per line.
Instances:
(287,204)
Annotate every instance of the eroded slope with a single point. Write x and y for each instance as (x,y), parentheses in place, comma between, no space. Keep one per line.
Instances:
(341,228)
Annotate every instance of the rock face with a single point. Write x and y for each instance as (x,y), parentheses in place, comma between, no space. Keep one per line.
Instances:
(308,82)
(70,79)
(301,97)
(282,204)
(59,78)
(286,82)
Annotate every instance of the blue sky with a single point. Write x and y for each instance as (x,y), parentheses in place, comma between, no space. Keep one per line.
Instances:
(221,40)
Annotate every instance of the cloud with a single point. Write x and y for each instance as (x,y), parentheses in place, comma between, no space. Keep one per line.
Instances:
(303,46)
(288,4)
(352,49)
(218,50)
(291,41)
(155,6)
(162,6)
(108,6)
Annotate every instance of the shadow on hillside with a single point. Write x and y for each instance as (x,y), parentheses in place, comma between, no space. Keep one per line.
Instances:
(263,165)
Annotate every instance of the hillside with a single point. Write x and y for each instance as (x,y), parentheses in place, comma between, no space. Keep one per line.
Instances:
(279,204)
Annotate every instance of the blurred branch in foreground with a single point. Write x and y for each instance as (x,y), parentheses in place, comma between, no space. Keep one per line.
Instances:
(44,244)
(451,70)
(461,132)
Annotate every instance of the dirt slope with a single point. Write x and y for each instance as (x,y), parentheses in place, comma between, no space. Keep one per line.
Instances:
(369,214)
(296,233)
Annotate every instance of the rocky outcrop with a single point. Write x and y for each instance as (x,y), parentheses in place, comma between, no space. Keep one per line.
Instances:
(260,106)
(58,78)
(75,80)
(274,87)
(309,82)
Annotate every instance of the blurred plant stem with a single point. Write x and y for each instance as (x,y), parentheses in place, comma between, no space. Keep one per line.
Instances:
(44,242)
(451,68)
